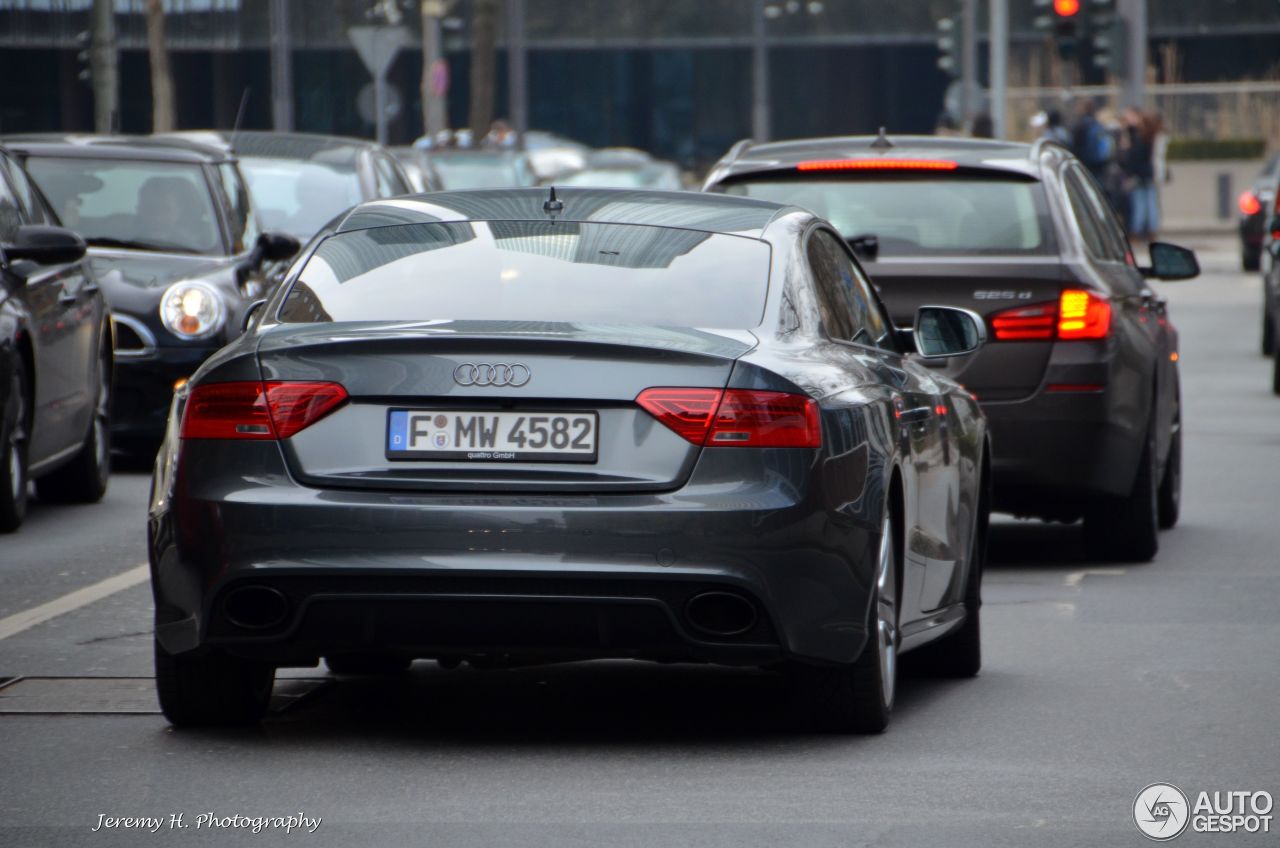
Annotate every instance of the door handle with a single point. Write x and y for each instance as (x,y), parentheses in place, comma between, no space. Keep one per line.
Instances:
(916,414)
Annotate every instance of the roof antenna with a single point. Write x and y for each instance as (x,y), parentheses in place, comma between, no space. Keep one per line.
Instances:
(235,130)
(553,205)
(882,141)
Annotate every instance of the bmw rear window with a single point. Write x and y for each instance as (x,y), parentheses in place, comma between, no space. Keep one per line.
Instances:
(921,214)
(534,271)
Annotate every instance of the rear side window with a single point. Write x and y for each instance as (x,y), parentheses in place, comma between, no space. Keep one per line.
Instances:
(534,271)
(921,215)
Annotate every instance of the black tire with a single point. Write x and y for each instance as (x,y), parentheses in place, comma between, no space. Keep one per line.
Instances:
(959,654)
(1251,260)
(15,421)
(84,478)
(857,698)
(1127,529)
(367,664)
(211,688)
(1268,331)
(1169,498)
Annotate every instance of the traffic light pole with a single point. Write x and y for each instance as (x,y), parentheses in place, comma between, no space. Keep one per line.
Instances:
(998,12)
(968,61)
(1133,90)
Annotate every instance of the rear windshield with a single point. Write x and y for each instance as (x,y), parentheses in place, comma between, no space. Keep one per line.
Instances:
(922,215)
(534,271)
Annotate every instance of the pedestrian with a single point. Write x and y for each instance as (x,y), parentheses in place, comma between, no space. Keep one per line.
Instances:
(983,126)
(1049,123)
(1090,141)
(1137,159)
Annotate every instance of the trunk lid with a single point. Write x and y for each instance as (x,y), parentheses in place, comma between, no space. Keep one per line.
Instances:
(1000,370)
(562,370)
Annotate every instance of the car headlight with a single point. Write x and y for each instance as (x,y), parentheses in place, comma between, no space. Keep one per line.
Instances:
(192,310)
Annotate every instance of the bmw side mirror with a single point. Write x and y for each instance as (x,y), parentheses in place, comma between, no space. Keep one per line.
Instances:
(943,331)
(45,245)
(276,247)
(1170,262)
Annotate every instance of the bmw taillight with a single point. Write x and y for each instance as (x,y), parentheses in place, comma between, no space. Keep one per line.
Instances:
(736,417)
(255,410)
(1077,314)
(1248,203)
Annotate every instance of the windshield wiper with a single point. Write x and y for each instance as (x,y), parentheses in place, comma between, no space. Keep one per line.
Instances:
(865,245)
(132,244)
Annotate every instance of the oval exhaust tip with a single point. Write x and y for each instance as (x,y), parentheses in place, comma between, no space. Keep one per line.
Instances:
(256,607)
(721,613)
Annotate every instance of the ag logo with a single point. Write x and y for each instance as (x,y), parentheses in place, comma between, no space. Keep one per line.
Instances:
(1161,811)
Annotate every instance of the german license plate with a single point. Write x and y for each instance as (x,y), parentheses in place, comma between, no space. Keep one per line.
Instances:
(488,436)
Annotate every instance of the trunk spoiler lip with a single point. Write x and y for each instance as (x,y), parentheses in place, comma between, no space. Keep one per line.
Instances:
(723,344)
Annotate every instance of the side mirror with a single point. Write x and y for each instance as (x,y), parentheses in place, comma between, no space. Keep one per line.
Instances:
(942,331)
(1170,262)
(253,310)
(45,245)
(276,247)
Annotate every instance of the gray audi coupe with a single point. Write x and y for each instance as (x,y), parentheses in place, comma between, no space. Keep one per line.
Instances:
(509,426)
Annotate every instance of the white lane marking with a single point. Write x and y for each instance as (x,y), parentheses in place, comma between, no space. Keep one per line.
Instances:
(26,619)
(1075,578)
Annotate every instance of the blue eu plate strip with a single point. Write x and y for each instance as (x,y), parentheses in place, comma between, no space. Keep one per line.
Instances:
(398,431)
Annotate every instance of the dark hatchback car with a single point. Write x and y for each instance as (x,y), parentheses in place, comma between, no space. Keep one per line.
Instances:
(1080,381)
(176,246)
(494,426)
(299,181)
(1255,205)
(55,357)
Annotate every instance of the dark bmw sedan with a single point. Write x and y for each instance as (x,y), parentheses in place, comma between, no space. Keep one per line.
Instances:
(176,245)
(1080,381)
(503,426)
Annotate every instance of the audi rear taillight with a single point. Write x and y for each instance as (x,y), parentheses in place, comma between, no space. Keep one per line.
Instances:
(736,417)
(1077,314)
(255,410)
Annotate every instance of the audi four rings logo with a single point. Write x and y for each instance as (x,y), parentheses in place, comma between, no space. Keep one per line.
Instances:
(491,374)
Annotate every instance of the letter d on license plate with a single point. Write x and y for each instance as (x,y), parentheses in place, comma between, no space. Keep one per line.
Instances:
(489,436)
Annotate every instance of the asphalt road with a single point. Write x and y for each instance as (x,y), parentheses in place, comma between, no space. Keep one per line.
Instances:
(1098,681)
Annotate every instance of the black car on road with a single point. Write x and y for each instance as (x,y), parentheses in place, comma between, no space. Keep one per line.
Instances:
(1080,380)
(506,426)
(176,246)
(1255,204)
(55,357)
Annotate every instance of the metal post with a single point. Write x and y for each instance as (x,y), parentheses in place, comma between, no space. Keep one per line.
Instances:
(999,13)
(380,103)
(968,60)
(1133,91)
(281,68)
(434,108)
(103,66)
(517,69)
(760,107)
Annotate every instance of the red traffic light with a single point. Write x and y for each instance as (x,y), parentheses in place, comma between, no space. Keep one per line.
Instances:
(1066,8)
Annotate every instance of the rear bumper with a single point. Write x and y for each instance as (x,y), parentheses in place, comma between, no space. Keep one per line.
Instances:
(463,574)
(1055,452)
